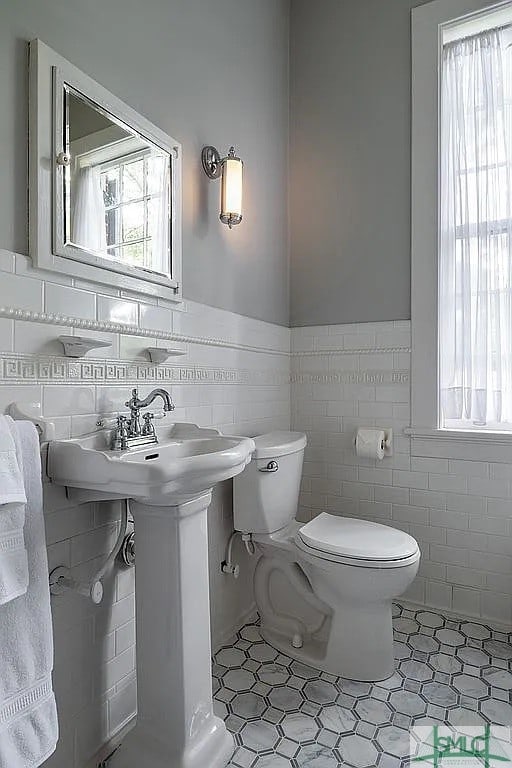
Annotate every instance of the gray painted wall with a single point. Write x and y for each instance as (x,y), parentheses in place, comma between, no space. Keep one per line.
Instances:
(350,160)
(205,71)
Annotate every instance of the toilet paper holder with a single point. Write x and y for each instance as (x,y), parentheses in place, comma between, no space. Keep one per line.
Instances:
(387,443)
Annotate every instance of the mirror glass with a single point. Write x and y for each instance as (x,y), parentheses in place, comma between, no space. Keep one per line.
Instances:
(117,188)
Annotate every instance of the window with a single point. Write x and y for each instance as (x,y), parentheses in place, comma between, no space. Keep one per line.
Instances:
(132,198)
(461,290)
(475,230)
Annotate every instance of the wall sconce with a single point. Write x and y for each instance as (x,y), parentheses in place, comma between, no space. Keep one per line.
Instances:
(231,170)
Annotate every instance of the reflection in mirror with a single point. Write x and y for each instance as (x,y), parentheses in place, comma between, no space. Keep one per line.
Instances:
(116,189)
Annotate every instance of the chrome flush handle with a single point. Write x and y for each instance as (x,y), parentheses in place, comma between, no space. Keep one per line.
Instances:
(272,466)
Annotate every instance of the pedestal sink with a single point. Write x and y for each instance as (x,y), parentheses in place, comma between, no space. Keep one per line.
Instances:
(170,484)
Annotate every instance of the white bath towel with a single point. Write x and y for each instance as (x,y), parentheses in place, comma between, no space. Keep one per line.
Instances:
(13,555)
(28,714)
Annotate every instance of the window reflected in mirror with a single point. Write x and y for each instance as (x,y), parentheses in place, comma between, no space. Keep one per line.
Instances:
(117,189)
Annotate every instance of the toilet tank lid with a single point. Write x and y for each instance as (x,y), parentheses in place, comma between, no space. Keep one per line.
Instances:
(278,444)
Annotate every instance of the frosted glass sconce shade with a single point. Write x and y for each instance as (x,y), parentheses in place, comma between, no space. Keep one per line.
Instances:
(231,196)
(230,168)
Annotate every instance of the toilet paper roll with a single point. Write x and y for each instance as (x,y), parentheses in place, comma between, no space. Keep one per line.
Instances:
(370,443)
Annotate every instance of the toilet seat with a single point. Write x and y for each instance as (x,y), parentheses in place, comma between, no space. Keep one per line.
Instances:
(356,542)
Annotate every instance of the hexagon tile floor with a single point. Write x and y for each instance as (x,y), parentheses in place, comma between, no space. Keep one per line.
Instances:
(286,715)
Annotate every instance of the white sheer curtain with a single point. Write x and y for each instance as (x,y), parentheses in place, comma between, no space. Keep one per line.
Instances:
(88,219)
(475,278)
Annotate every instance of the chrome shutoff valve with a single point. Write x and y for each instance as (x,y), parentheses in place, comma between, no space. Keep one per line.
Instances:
(231,569)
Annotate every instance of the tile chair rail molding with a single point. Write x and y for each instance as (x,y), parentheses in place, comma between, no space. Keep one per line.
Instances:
(126,329)
(51,318)
(349,351)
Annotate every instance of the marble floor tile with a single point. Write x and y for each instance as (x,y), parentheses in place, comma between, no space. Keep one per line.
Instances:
(284,714)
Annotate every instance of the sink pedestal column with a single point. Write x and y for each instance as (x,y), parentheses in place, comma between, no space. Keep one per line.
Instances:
(176,727)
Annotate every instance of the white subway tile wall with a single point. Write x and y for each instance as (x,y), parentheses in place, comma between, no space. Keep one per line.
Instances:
(237,390)
(460,512)
(237,379)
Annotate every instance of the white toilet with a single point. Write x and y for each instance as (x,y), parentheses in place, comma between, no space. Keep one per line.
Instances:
(324,590)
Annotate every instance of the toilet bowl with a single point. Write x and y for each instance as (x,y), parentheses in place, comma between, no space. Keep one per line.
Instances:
(341,574)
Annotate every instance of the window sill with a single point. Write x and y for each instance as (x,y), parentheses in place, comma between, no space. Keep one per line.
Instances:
(459,444)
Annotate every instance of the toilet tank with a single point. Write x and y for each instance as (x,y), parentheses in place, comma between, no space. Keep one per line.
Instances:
(265,501)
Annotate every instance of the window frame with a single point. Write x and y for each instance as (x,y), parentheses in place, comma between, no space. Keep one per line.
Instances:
(428,438)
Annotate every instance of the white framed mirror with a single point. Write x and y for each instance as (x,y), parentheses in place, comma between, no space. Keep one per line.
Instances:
(105,183)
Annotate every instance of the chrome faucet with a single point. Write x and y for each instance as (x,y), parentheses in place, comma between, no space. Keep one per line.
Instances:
(135,405)
(135,402)
(129,432)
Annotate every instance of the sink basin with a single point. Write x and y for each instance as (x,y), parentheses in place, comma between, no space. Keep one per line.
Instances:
(186,460)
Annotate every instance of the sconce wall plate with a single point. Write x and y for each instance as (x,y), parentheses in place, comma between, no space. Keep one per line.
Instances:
(212,162)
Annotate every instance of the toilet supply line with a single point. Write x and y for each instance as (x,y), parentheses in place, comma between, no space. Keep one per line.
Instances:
(227,566)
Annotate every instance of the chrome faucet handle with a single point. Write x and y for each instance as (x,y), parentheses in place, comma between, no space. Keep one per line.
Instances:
(120,435)
(148,428)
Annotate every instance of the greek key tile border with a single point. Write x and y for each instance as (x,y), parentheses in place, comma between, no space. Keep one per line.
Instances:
(367,377)
(33,369)
(18,369)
